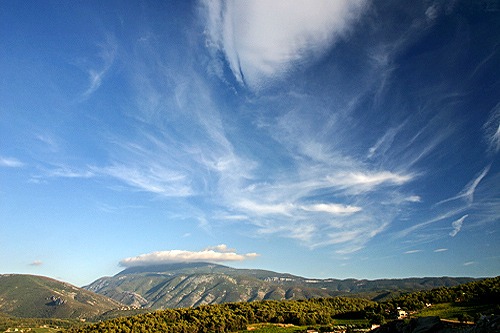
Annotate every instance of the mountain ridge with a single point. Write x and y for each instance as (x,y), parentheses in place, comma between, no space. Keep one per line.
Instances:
(177,285)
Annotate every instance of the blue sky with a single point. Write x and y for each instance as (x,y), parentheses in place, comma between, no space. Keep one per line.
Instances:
(320,138)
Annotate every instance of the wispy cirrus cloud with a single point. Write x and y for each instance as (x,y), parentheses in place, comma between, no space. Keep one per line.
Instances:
(107,55)
(365,181)
(155,179)
(440,217)
(294,164)
(457,225)
(492,129)
(217,254)
(10,162)
(385,142)
(68,172)
(467,192)
(60,171)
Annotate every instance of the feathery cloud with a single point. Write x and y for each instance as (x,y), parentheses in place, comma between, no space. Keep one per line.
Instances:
(366,181)
(67,172)
(440,250)
(10,162)
(438,218)
(173,256)
(457,225)
(107,56)
(155,179)
(385,142)
(467,192)
(492,129)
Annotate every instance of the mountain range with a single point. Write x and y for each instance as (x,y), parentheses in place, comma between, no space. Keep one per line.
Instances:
(141,289)
(191,284)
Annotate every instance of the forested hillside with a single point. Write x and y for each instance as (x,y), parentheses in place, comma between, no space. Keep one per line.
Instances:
(485,292)
(231,317)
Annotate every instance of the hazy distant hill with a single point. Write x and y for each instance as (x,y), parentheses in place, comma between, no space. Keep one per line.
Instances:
(192,284)
(30,296)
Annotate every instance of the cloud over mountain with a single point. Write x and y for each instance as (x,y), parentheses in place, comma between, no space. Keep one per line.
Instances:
(215,254)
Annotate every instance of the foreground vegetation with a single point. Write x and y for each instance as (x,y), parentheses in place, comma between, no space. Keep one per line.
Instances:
(37,324)
(471,299)
(233,317)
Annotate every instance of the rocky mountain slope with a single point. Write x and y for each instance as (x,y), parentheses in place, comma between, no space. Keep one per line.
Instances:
(192,284)
(32,296)
(162,291)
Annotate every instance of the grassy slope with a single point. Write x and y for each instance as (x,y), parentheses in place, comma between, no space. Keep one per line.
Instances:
(453,310)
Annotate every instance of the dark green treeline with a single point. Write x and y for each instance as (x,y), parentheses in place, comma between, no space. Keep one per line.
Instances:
(231,317)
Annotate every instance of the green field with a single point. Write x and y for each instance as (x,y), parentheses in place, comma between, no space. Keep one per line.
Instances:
(34,330)
(453,310)
(337,324)
(37,325)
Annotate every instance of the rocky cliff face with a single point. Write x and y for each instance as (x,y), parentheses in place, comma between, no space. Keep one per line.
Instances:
(54,300)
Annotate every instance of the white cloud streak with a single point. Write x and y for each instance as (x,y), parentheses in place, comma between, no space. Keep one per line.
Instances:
(438,218)
(107,57)
(213,255)
(66,172)
(364,181)
(467,192)
(457,225)
(334,209)
(10,162)
(385,142)
(155,179)
(492,129)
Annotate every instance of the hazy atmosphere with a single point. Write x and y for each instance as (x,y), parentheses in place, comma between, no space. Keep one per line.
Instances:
(319,138)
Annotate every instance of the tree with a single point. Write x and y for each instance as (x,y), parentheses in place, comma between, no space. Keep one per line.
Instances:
(464,317)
